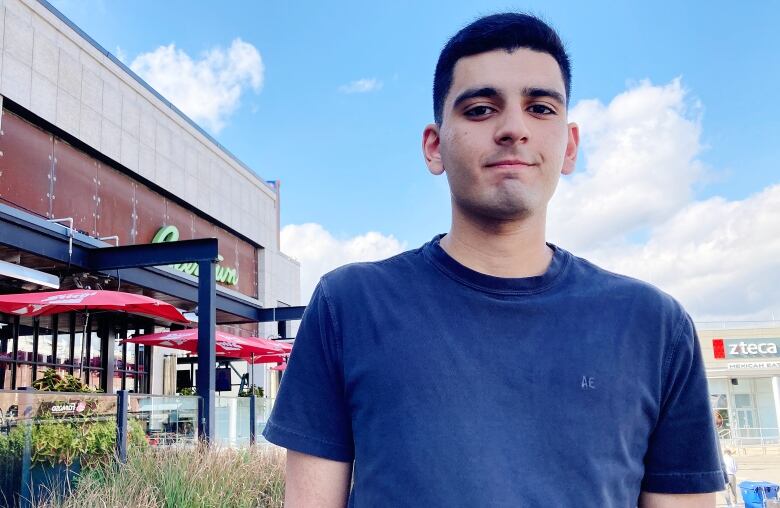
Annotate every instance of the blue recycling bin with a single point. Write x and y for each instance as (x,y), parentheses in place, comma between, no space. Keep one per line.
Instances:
(755,493)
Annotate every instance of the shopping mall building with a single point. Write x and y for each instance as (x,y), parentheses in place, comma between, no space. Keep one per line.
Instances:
(743,368)
(91,156)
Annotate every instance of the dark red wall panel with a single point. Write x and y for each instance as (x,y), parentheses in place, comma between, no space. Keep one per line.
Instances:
(75,186)
(116,193)
(150,214)
(25,165)
(49,177)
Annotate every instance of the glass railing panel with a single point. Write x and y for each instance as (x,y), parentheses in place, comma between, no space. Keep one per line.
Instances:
(46,438)
(231,421)
(263,408)
(163,421)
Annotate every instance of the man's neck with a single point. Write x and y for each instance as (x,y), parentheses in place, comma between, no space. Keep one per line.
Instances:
(511,249)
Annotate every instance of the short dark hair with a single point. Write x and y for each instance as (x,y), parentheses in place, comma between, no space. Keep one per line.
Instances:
(508,31)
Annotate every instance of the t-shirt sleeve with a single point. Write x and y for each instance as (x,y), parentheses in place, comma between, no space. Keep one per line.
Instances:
(310,414)
(682,455)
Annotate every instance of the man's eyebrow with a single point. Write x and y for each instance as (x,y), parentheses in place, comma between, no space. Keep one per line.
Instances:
(490,92)
(487,91)
(545,92)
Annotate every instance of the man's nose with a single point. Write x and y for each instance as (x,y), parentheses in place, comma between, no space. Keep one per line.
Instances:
(512,127)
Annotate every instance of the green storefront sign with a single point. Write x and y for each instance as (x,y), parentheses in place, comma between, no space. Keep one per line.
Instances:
(225,274)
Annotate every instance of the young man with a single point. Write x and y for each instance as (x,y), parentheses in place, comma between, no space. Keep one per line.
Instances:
(488,367)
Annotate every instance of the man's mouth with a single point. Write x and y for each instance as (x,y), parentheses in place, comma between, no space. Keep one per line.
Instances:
(509,164)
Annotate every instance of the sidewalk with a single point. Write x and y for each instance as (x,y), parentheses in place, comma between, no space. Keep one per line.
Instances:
(755,464)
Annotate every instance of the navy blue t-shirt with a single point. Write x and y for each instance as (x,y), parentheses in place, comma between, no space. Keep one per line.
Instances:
(449,387)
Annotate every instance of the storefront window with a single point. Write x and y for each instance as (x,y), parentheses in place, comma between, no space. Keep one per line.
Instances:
(142,385)
(25,352)
(93,378)
(130,364)
(60,342)
(719,400)
(94,350)
(63,353)
(45,343)
(23,375)
(6,376)
(130,361)
(6,352)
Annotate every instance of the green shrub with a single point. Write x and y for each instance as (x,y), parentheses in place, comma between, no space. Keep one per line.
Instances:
(12,445)
(258,391)
(87,436)
(54,382)
(184,477)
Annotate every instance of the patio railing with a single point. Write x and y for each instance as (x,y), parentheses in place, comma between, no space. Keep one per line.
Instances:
(46,438)
(741,438)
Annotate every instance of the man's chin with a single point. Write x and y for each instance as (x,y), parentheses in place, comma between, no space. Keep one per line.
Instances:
(498,211)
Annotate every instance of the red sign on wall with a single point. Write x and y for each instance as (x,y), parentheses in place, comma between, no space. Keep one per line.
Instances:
(718,348)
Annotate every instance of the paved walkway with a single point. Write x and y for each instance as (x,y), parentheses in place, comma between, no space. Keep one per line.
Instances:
(756,465)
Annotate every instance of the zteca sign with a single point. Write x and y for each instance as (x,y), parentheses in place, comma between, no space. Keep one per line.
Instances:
(746,349)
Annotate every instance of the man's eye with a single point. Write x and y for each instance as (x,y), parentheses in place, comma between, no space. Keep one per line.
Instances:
(541,109)
(478,111)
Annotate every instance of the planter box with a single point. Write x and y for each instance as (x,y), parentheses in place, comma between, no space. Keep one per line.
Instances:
(44,480)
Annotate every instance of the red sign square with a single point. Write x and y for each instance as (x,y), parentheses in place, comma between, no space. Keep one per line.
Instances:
(718,348)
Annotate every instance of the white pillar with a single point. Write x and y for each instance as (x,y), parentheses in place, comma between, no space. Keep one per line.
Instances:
(776,397)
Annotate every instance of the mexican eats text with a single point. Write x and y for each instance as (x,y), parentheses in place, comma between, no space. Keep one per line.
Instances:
(224,274)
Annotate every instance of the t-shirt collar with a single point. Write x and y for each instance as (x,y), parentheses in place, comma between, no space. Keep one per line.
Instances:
(509,285)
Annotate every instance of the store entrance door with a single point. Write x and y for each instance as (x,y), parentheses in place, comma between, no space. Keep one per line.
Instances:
(747,421)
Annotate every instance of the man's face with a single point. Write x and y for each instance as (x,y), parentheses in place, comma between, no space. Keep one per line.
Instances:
(504,140)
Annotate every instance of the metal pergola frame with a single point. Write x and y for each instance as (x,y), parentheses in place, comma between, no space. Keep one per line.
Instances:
(140,265)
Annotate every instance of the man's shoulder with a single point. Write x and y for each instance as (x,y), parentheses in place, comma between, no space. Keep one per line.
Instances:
(596,280)
(391,269)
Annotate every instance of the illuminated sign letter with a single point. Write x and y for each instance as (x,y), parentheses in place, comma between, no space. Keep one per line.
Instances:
(170,233)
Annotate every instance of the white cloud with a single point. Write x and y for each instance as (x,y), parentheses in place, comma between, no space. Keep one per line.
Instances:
(208,89)
(320,252)
(121,55)
(632,209)
(719,257)
(362,86)
(641,165)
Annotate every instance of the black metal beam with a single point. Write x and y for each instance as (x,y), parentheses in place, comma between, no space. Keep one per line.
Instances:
(122,400)
(153,254)
(107,337)
(279,314)
(31,234)
(35,239)
(207,348)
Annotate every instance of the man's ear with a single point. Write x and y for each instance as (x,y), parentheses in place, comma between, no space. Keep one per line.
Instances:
(431,149)
(570,159)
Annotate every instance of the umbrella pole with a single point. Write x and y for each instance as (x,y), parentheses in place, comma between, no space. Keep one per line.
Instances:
(252,375)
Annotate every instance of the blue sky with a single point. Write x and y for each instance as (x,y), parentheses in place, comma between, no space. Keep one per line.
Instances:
(351,162)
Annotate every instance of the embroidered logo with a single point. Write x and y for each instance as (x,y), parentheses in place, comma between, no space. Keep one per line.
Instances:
(588,383)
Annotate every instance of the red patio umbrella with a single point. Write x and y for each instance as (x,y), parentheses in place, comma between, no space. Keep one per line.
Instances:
(85,300)
(280,367)
(285,347)
(227,345)
(277,358)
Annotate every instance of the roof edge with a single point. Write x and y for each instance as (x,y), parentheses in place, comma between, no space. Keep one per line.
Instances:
(148,87)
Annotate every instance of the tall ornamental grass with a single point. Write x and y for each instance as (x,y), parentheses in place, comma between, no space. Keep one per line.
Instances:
(182,478)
